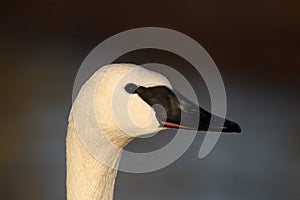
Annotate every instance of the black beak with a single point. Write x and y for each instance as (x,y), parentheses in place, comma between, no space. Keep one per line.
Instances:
(176,111)
(197,118)
(211,122)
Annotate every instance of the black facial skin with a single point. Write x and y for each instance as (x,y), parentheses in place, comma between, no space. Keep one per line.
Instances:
(180,110)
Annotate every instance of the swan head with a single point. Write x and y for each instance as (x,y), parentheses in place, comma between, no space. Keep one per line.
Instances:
(119,109)
(131,101)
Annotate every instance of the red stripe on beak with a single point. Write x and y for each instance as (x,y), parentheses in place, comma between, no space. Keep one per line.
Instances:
(172,125)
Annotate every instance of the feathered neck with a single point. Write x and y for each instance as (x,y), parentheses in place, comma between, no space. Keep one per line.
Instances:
(93,148)
(88,178)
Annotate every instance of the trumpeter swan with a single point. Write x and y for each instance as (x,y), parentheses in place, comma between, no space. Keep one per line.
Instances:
(94,119)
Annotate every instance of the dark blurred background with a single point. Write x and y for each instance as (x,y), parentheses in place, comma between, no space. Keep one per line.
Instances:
(255,44)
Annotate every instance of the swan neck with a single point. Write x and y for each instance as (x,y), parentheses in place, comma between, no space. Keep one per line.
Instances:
(87,178)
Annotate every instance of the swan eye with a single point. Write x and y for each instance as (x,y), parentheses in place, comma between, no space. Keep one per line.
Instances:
(131,88)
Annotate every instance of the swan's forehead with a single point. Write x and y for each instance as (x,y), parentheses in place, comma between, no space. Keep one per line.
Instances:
(143,77)
(118,75)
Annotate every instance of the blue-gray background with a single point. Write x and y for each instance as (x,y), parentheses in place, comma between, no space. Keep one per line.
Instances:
(255,44)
